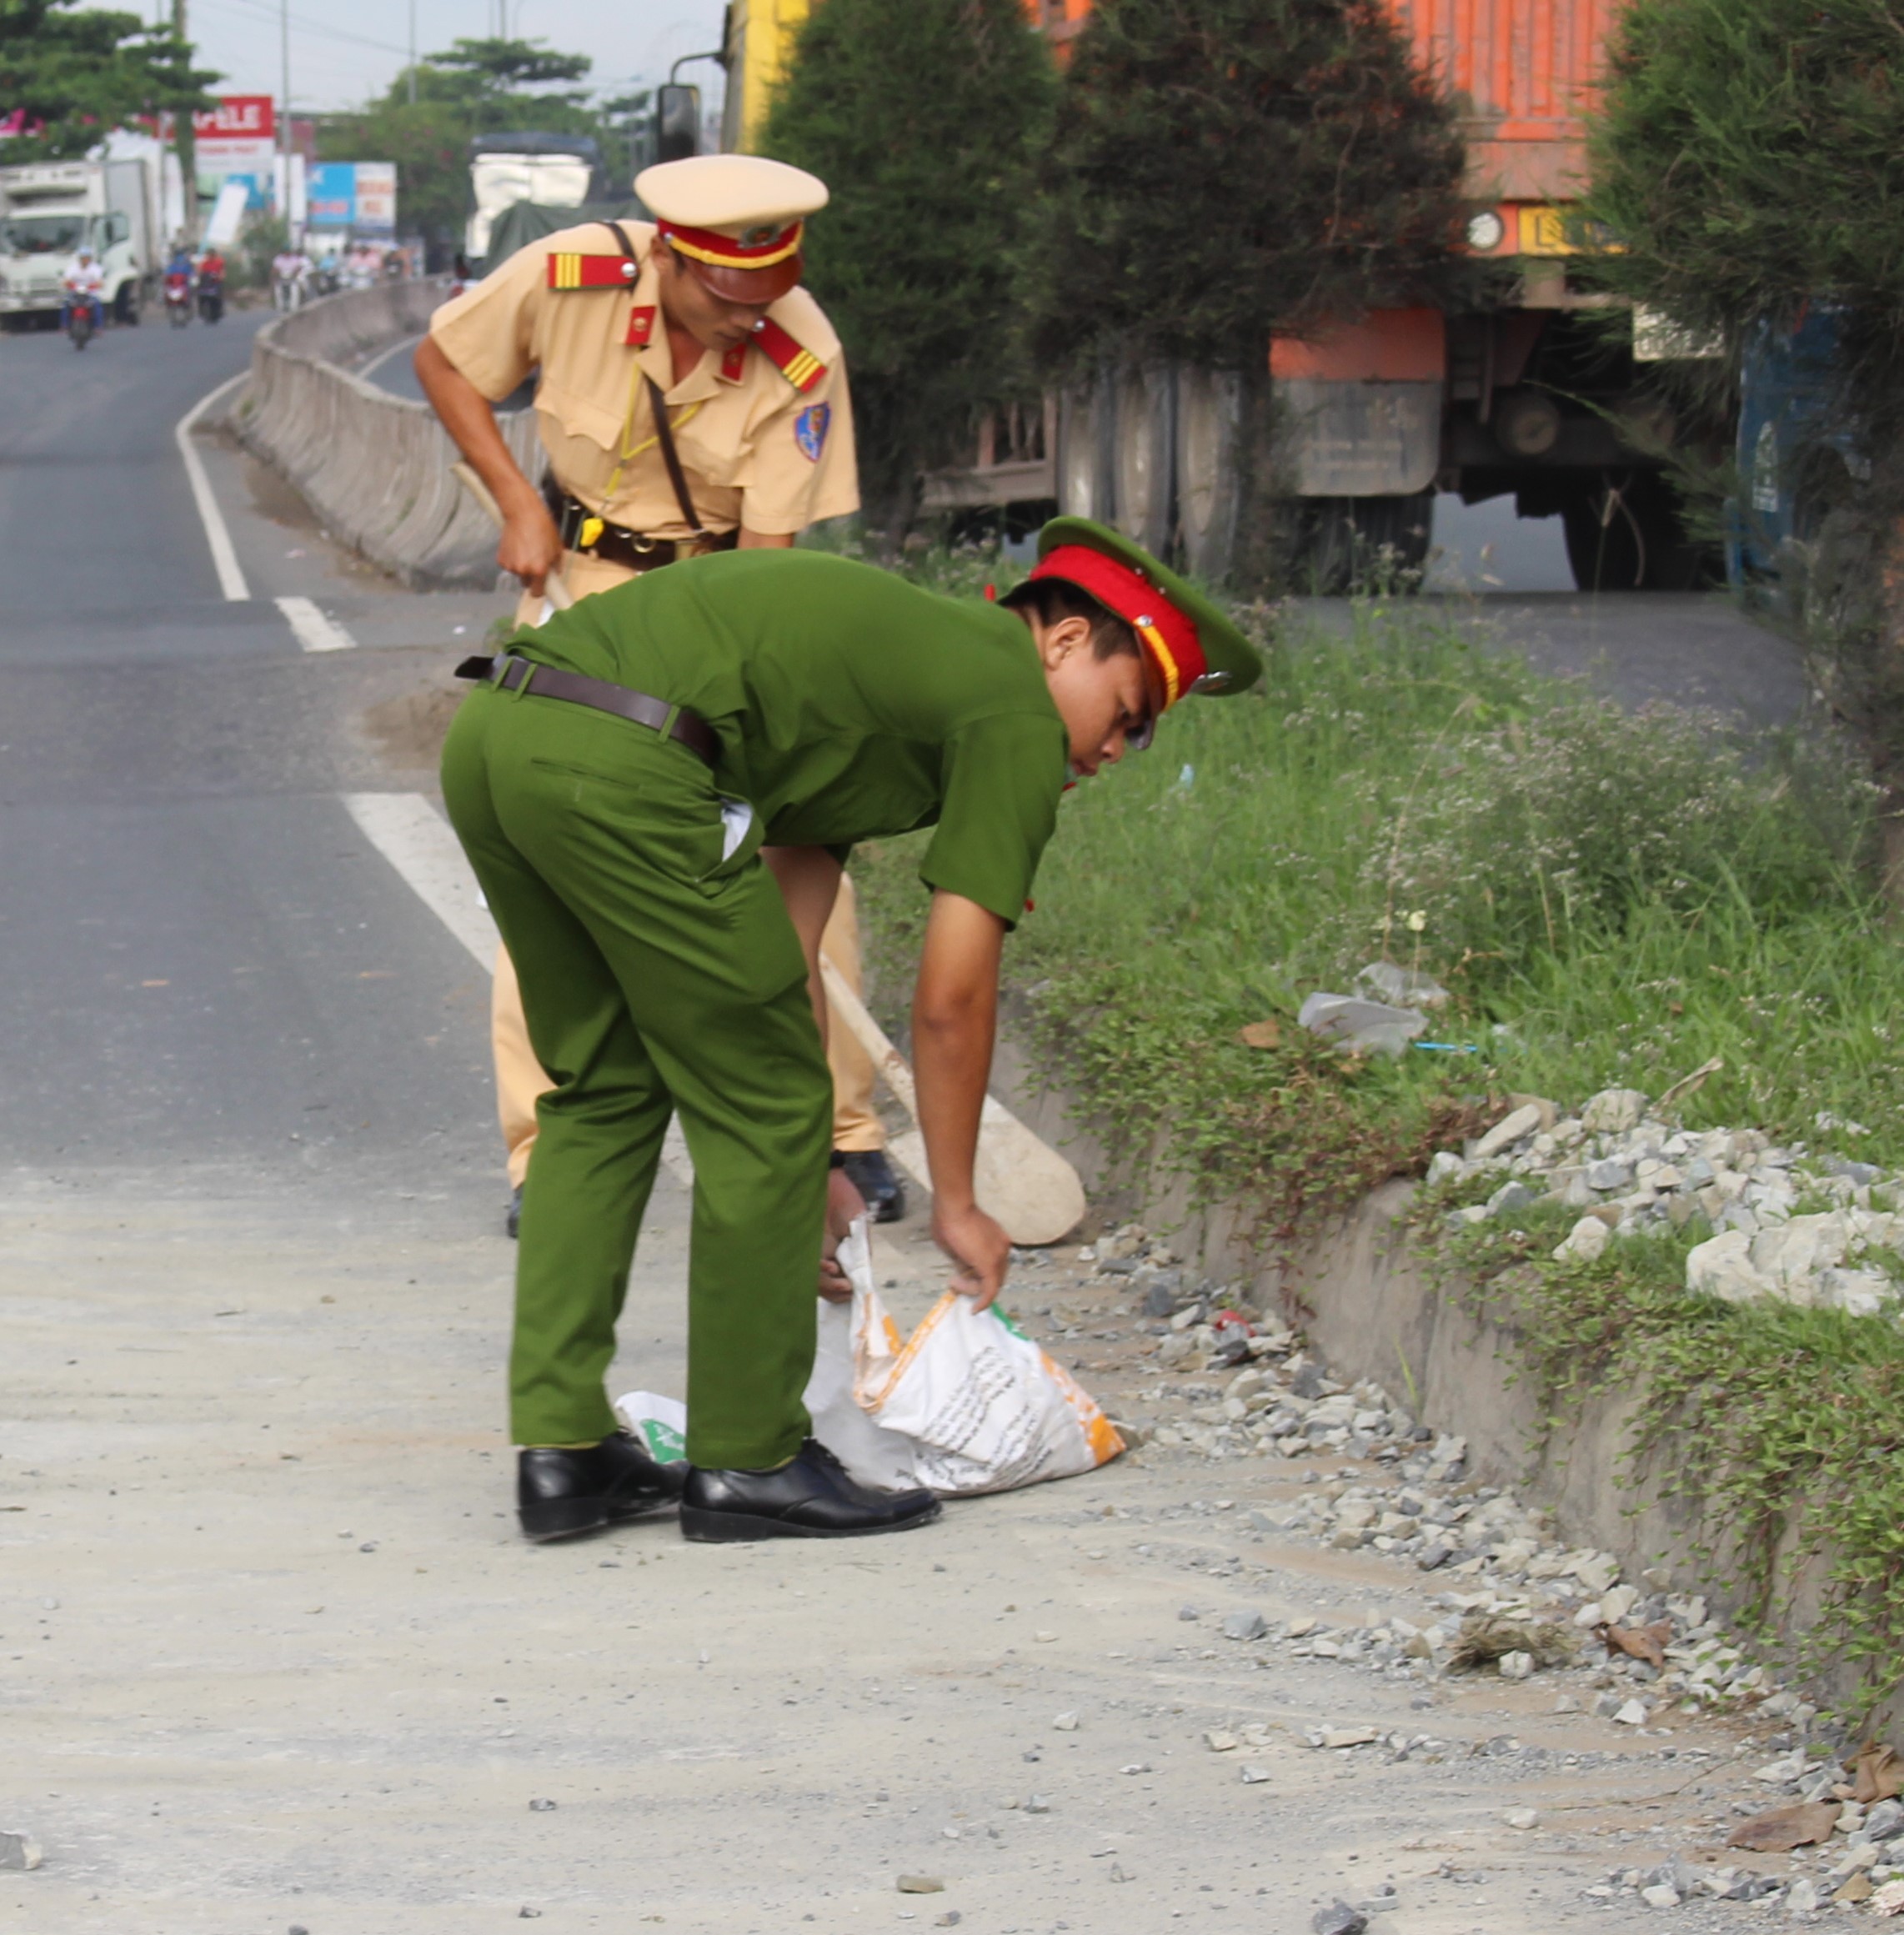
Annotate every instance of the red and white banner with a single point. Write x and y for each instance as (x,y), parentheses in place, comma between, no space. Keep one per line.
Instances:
(237,137)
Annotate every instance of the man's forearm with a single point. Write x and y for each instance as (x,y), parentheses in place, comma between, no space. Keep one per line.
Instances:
(952,1062)
(470,418)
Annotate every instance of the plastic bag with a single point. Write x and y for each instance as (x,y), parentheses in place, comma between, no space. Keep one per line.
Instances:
(661,1424)
(967,1404)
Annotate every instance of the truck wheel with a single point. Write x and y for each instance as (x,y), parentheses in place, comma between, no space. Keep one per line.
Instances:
(126,305)
(1209,439)
(1348,544)
(1141,454)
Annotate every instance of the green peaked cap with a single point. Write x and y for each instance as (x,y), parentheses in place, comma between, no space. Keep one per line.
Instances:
(1231,663)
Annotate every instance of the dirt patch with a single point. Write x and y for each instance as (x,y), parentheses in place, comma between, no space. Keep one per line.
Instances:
(408,730)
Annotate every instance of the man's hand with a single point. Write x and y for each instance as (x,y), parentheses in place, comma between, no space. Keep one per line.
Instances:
(530,545)
(845,1206)
(979,1246)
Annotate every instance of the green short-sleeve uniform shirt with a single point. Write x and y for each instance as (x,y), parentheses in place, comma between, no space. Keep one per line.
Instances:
(850,704)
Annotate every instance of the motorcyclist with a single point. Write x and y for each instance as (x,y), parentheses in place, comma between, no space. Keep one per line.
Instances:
(179,282)
(84,282)
(212,285)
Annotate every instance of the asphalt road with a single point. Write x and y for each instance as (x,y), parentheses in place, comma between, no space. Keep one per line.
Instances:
(271,1654)
(203,962)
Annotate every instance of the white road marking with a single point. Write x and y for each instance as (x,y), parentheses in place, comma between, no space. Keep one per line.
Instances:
(384,356)
(420,844)
(224,558)
(315,633)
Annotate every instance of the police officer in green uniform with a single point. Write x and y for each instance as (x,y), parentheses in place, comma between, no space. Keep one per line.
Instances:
(614,783)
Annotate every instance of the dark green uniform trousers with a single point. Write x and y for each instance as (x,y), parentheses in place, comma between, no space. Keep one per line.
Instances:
(656,977)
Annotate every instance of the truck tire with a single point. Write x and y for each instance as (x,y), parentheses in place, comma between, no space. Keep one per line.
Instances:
(1348,544)
(1086,427)
(1208,434)
(126,304)
(1142,428)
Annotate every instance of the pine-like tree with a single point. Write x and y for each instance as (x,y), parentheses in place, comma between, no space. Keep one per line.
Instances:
(73,73)
(1224,167)
(1749,155)
(924,119)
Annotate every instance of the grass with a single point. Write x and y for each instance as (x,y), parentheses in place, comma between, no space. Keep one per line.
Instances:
(1612,900)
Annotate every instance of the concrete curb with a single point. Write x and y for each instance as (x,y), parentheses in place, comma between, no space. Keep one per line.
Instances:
(1377,1311)
(374,466)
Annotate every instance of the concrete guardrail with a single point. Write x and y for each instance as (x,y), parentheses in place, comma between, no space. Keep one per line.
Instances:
(374,466)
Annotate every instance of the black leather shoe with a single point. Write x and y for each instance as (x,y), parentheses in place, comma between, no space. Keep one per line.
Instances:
(878,1181)
(560,1493)
(811,1498)
(513,1220)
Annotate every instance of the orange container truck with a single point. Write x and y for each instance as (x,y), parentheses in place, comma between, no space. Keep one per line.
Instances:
(1547,399)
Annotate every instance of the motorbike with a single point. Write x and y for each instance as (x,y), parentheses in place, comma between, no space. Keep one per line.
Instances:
(179,300)
(79,322)
(211,298)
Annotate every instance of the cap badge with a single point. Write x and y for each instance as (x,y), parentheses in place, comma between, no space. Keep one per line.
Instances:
(758,235)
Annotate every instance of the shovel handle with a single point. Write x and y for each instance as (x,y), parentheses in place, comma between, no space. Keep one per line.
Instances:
(870,1036)
(553,588)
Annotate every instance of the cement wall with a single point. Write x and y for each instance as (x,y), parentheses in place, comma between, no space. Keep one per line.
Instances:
(1361,1288)
(374,466)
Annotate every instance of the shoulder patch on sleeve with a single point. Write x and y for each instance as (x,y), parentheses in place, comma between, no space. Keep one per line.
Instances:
(801,367)
(810,428)
(569,268)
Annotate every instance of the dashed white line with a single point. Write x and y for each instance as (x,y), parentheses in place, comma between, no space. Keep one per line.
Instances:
(314,632)
(224,558)
(420,844)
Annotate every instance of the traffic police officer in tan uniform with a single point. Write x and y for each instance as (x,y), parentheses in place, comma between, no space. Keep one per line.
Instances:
(691,398)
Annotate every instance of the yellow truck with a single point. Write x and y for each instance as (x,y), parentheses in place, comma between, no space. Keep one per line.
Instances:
(754,51)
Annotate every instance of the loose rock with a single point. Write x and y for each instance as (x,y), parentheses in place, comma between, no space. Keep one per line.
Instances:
(1339,1918)
(19,1850)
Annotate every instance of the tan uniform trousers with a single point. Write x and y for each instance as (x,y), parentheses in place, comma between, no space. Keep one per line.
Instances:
(519,1076)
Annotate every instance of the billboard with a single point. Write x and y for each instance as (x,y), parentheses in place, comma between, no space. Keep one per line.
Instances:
(359,196)
(376,198)
(331,195)
(237,137)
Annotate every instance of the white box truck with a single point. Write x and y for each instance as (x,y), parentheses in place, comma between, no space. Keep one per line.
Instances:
(49,209)
(559,171)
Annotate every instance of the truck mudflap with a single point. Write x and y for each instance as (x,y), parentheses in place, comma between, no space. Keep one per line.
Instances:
(1349,438)
(1359,406)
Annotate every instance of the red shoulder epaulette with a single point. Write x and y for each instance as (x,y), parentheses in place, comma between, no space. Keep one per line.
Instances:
(801,367)
(569,269)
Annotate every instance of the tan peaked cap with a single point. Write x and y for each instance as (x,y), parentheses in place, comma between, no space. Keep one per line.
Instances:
(729,193)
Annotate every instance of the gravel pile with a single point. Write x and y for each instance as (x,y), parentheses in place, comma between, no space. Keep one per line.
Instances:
(1820,1231)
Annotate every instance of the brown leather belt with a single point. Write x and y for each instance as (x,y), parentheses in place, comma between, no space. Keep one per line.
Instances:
(512,674)
(615,544)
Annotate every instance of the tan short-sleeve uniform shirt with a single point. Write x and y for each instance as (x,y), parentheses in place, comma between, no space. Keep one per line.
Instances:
(757,450)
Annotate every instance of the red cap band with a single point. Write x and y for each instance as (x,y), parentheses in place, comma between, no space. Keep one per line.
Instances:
(1168,635)
(721,251)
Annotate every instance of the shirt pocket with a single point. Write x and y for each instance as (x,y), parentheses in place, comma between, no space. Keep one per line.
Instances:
(576,415)
(712,451)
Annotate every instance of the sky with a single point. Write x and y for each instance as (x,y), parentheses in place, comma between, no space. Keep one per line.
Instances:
(345,51)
